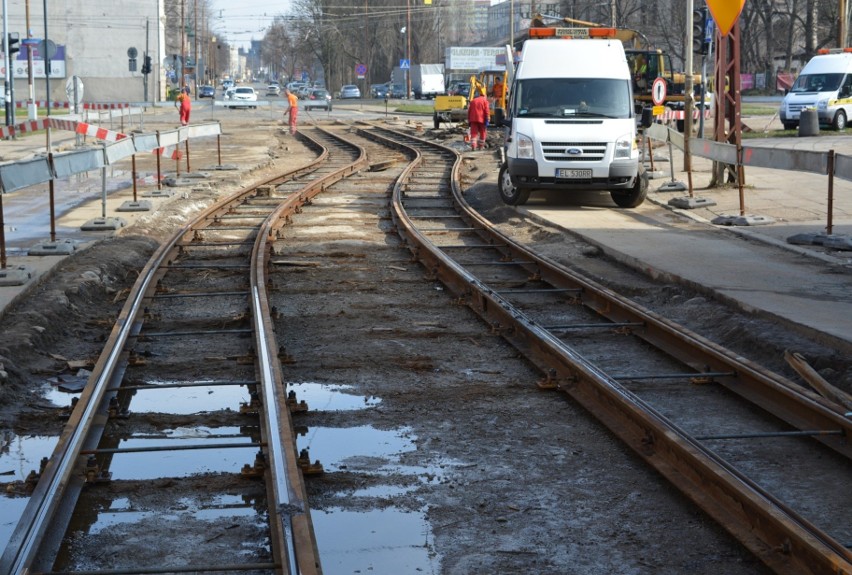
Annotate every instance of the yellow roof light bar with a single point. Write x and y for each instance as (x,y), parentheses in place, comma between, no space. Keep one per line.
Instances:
(569,33)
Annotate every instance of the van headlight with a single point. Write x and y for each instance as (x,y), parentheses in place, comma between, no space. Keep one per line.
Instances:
(624,147)
(822,105)
(525,147)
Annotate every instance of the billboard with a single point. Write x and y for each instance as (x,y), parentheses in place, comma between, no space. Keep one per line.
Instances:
(464,58)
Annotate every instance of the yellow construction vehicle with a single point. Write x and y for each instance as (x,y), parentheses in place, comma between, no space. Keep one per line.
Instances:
(454,108)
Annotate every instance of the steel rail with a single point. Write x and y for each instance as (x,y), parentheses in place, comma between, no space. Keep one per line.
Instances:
(783,540)
(291,514)
(64,469)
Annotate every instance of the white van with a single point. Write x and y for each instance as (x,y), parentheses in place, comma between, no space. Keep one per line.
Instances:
(571,123)
(825,85)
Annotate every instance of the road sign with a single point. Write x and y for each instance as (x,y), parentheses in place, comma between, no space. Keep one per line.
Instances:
(405,64)
(132,52)
(360,71)
(658,91)
(725,13)
(31,41)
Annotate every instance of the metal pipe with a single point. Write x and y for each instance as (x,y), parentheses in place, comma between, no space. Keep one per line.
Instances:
(105,450)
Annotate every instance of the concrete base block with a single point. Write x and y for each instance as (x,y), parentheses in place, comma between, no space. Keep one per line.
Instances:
(180,182)
(687,203)
(103,224)
(838,242)
(672,186)
(223,167)
(807,239)
(158,194)
(17,276)
(48,248)
(137,206)
(747,220)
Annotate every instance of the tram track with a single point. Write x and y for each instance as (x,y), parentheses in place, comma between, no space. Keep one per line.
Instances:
(531,302)
(218,256)
(561,322)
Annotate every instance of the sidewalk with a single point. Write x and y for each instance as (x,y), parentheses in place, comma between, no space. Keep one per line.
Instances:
(753,266)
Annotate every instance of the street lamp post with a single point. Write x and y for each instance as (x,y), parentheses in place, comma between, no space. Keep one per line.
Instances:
(408,49)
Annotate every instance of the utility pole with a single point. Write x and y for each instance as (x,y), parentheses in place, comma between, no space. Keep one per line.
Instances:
(841,28)
(32,109)
(6,96)
(407,39)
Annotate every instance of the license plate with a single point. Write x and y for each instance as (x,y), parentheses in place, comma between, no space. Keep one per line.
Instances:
(573,174)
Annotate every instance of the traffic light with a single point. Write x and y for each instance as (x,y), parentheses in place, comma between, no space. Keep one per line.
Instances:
(132,64)
(699,31)
(14,38)
(146,65)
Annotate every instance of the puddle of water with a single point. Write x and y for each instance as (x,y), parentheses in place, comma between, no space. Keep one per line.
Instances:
(21,454)
(18,456)
(378,542)
(10,513)
(178,400)
(120,511)
(157,464)
(324,397)
(355,447)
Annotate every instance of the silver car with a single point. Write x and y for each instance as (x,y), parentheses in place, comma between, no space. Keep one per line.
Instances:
(350,91)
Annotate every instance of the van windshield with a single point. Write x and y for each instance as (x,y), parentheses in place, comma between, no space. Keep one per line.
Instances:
(817,83)
(571,97)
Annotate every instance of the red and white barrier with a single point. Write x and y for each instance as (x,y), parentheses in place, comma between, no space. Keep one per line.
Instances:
(681,114)
(24,128)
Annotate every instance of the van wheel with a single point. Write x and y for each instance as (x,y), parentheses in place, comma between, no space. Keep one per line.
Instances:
(839,122)
(790,125)
(509,193)
(634,196)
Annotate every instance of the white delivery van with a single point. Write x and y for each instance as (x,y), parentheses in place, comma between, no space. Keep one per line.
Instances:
(570,120)
(824,85)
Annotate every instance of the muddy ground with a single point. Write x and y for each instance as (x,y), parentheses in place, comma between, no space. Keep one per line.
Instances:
(68,315)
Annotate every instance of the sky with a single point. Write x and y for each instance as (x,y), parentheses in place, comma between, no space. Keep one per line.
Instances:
(244,20)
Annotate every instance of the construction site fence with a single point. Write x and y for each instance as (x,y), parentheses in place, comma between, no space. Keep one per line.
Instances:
(826,163)
(21,174)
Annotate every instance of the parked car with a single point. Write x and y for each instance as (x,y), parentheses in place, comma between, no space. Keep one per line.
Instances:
(206,92)
(378,91)
(397,91)
(242,97)
(227,84)
(273,90)
(318,98)
(349,91)
(304,92)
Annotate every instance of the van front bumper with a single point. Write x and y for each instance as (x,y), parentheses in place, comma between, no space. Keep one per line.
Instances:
(525,174)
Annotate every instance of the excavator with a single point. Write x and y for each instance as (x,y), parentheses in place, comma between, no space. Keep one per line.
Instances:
(454,108)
